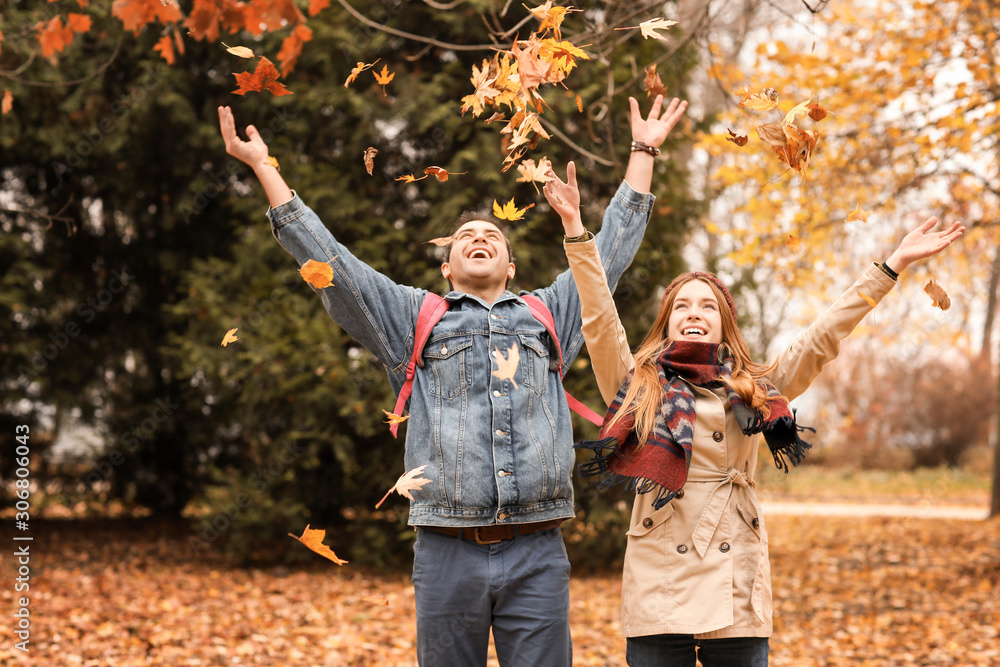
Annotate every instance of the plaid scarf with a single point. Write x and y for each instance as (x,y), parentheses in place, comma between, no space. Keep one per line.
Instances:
(662,462)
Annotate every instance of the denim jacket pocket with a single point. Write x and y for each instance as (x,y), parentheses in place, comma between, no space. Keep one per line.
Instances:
(535,362)
(449,360)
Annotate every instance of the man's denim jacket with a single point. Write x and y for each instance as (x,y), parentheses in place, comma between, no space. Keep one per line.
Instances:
(495,452)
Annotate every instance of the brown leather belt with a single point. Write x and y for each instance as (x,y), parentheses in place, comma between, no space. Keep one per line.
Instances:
(494,534)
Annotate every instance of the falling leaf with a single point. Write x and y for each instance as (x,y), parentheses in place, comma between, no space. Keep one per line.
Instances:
(273,161)
(230,337)
(361,67)
(482,79)
(409,178)
(442,241)
(817,113)
(857,214)
(739,141)
(375,599)
(653,82)
(6,103)
(871,301)
(579,103)
(314,540)
(494,118)
(796,111)
(369,156)
(441,173)
(264,77)
(793,146)
(239,51)
(793,242)
(533,173)
(394,419)
(408,481)
(509,211)
(765,100)
(316,6)
(165,47)
(551,17)
(317,274)
(291,47)
(507,366)
(532,69)
(938,296)
(649,28)
(384,77)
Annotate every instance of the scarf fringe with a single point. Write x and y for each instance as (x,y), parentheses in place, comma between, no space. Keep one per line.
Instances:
(795,450)
(598,465)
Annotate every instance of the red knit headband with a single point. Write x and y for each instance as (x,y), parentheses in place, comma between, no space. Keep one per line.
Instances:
(707,277)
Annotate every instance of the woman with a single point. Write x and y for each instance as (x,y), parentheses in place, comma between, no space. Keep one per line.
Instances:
(683,431)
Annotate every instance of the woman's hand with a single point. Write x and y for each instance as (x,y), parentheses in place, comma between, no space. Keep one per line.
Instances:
(564,198)
(653,130)
(922,242)
(251,152)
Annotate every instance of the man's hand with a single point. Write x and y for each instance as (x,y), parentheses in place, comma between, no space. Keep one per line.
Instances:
(653,130)
(564,198)
(251,152)
(922,242)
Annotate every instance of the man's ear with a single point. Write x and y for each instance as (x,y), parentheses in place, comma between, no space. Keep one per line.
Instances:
(510,271)
(446,271)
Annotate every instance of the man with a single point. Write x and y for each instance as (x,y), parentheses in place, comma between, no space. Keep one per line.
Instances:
(499,452)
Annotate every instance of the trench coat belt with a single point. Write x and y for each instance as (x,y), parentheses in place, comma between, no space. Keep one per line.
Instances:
(710,517)
(718,499)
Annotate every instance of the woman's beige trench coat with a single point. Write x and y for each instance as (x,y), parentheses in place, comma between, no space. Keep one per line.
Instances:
(699,565)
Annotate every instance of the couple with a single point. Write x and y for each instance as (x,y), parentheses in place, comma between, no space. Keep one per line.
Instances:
(686,414)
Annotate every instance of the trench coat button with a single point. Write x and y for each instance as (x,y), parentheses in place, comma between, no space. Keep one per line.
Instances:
(647,523)
(682,549)
(724,547)
(756,522)
(718,436)
(679,494)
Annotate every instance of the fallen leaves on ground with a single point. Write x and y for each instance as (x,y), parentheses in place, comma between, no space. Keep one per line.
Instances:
(905,592)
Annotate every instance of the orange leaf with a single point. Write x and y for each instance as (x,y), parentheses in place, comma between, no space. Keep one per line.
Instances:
(291,47)
(408,481)
(230,337)
(369,157)
(317,274)
(532,69)
(793,242)
(409,178)
(314,540)
(137,14)
(53,37)
(361,67)
(938,295)
(394,419)
(273,161)
(871,301)
(78,22)
(739,141)
(7,103)
(507,366)
(816,112)
(509,211)
(579,103)
(384,77)
(165,46)
(857,214)
(316,6)
(264,77)
(376,599)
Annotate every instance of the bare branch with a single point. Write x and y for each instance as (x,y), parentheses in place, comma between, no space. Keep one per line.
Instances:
(55,84)
(409,35)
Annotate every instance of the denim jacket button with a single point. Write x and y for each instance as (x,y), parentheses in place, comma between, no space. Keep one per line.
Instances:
(498,433)
(496,393)
(502,516)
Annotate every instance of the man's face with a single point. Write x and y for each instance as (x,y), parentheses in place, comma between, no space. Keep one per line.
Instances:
(479,259)
(695,314)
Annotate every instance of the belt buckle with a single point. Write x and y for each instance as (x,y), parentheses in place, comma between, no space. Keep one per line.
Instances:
(479,540)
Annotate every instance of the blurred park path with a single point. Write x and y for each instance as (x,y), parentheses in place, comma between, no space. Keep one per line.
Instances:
(920,510)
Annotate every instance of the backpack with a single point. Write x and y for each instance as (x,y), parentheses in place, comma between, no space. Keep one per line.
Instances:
(432,310)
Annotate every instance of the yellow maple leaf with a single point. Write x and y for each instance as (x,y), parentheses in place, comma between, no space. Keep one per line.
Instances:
(273,161)
(384,77)
(507,365)
(230,337)
(410,178)
(314,540)
(317,274)
(394,419)
(551,17)
(857,214)
(509,211)
(408,481)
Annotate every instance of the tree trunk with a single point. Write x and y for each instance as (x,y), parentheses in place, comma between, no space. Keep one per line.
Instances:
(995,495)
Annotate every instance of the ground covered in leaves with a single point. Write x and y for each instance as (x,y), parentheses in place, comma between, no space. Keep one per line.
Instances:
(873,591)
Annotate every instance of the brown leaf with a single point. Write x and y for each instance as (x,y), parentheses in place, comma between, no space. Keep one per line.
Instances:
(230,337)
(358,69)
(441,173)
(938,295)
(739,141)
(494,118)
(317,274)
(375,599)
(816,112)
(314,540)
(653,82)
(408,481)
(370,154)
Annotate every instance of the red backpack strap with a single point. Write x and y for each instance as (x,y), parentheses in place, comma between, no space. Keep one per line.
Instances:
(542,313)
(431,311)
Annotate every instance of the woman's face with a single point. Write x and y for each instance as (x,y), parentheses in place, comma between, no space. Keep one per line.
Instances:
(695,314)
